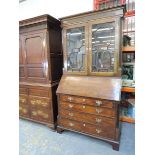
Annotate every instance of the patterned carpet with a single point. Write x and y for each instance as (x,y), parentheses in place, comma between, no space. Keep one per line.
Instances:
(37,139)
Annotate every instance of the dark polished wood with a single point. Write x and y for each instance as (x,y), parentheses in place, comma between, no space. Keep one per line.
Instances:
(40,68)
(88,100)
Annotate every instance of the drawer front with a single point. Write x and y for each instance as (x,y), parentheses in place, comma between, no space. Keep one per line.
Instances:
(39,102)
(88,101)
(23,90)
(88,118)
(39,92)
(89,109)
(23,99)
(24,110)
(87,128)
(41,115)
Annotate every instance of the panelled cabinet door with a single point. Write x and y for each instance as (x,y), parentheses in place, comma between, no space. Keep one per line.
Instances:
(22,74)
(75,49)
(104,47)
(36,56)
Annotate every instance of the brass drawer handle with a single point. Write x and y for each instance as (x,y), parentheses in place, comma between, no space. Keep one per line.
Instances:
(98,103)
(22,100)
(98,131)
(71,114)
(98,110)
(70,105)
(24,111)
(34,113)
(98,120)
(70,99)
(32,102)
(71,124)
(44,104)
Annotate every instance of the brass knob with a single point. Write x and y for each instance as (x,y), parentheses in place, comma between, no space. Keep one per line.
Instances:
(84,124)
(25,111)
(84,100)
(83,107)
(32,102)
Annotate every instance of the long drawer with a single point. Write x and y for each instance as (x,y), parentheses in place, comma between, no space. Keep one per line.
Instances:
(89,109)
(88,118)
(88,101)
(87,128)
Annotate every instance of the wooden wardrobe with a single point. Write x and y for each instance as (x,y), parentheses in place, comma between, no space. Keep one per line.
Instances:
(40,68)
(90,88)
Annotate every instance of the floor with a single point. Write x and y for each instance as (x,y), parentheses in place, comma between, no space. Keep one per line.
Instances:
(37,139)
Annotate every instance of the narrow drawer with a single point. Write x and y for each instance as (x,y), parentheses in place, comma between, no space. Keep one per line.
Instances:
(39,102)
(88,118)
(87,128)
(88,101)
(24,110)
(23,90)
(39,92)
(89,109)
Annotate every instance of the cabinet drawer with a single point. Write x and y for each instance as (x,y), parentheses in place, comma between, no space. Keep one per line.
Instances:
(87,128)
(39,92)
(39,102)
(88,109)
(22,90)
(88,118)
(23,99)
(24,110)
(40,115)
(88,101)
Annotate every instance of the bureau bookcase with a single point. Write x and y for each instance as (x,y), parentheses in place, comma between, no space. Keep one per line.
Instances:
(90,88)
(40,68)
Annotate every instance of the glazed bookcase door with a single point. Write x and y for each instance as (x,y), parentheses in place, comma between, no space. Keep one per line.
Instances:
(75,41)
(22,74)
(104,47)
(36,57)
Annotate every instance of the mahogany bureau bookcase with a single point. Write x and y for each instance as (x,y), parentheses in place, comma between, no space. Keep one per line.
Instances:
(90,88)
(40,68)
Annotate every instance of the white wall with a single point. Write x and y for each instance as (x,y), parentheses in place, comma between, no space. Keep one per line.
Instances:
(56,8)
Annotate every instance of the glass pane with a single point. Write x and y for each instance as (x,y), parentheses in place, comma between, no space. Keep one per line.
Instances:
(75,49)
(103,47)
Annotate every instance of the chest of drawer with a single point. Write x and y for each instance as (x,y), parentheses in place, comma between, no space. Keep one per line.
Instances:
(24,110)
(23,99)
(88,118)
(87,128)
(88,109)
(39,102)
(88,101)
(41,115)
